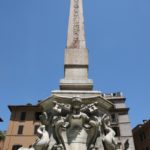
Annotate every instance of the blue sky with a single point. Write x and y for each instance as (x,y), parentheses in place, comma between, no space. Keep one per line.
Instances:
(33,38)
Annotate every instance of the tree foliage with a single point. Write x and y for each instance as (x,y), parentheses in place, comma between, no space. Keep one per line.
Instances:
(2,136)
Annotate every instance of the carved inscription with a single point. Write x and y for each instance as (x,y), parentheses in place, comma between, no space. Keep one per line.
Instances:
(76,27)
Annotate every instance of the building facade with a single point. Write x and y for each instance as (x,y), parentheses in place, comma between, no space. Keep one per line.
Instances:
(120,121)
(141,135)
(1,144)
(23,124)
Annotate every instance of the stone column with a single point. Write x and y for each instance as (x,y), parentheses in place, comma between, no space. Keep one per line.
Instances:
(76,53)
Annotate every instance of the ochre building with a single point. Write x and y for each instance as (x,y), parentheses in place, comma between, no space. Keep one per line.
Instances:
(23,124)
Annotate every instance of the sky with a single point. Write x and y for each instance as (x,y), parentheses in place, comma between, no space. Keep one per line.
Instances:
(32,42)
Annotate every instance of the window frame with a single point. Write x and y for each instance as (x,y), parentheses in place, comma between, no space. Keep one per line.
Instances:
(16,146)
(115,120)
(35,129)
(20,129)
(23,116)
(36,115)
(117,131)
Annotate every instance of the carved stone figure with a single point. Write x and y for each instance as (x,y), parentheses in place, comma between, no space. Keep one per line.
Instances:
(74,125)
(60,108)
(75,111)
(78,119)
(76,122)
(42,141)
(109,140)
(93,123)
(58,124)
(90,108)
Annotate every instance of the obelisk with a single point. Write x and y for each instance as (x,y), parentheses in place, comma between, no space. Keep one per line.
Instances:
(76,53)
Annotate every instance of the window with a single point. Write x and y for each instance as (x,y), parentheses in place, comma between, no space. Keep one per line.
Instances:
(37,114)
(114,118)
(147,148)
(35,129)
(117,130)
(15,147)
(20,129)
(142,136)
(22,116)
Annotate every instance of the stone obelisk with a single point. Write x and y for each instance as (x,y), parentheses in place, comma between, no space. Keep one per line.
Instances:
(76,116)
(76,53)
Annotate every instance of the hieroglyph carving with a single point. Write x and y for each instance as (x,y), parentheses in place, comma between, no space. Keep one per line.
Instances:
(76,27)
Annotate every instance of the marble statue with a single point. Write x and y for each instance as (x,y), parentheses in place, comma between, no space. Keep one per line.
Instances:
(74,125)
(43,138)
(87,119)
(42,141)
(109,140)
